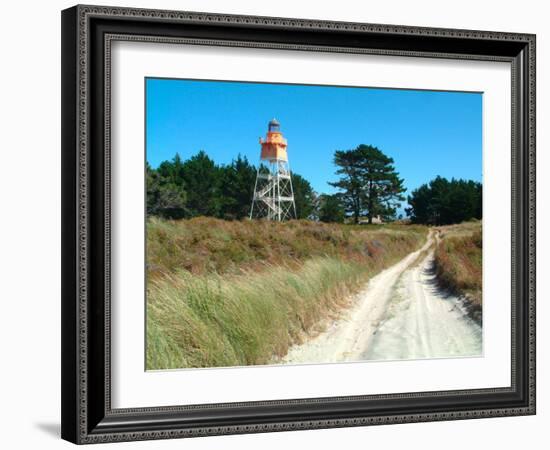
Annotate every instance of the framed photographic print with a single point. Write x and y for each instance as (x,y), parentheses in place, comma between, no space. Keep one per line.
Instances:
(277,224)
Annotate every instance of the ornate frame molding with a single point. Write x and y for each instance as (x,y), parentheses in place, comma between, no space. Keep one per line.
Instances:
(86,422)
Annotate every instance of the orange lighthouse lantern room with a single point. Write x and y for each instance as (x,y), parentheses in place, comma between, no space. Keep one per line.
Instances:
(274,145)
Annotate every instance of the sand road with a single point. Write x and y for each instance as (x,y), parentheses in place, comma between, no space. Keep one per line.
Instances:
(399,314)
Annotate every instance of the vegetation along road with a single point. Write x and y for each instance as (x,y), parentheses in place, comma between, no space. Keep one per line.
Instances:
(402,313)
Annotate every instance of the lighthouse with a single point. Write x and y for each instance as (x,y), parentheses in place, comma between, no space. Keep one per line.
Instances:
(273,195)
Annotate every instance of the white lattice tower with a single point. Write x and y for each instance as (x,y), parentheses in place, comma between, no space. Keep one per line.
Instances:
(273,193)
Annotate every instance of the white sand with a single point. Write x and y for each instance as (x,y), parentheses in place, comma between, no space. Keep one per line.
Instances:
(400,314)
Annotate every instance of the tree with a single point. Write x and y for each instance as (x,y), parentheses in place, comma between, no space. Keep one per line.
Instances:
(442,202)
(369,183)
(172,171)
(199,187)
(351,182)
(201,179)
(421,206)
(331,209)
(164,197)
(236,188)
(304,197)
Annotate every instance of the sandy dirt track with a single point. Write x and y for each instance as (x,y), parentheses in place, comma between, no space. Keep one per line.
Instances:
(399,314)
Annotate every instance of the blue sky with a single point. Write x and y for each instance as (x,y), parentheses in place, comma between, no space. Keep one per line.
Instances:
(427,133)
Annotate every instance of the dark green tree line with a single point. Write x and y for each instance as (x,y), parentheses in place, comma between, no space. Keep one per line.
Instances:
(198,187)
(368,186)
(442,202)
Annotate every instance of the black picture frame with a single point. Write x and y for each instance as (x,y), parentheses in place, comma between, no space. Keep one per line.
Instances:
(87,416)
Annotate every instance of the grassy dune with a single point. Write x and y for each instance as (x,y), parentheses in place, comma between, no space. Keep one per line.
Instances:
(238,293)
(458,262)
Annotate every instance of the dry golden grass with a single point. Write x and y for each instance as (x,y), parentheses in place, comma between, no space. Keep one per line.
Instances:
(458,261)
(238,293)
(206,245)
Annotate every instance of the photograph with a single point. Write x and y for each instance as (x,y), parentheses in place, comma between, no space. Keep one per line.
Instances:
(311,224)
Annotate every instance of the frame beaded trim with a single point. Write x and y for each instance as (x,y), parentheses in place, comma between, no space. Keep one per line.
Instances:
(189,16)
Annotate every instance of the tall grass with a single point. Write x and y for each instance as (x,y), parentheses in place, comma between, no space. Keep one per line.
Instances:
(216,321)
(210,306)
(458,264)
(205,245)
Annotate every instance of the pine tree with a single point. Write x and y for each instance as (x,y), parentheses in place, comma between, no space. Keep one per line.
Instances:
(331,209)
(369,183)
(164,197)
(442,202)
(304,197)
(201,179)
(236,188)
